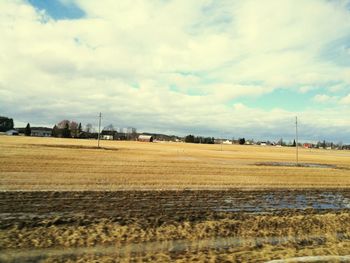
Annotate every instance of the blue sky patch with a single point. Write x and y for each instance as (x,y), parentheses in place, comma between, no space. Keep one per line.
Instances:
(338,52)
(286,99)
(57,9)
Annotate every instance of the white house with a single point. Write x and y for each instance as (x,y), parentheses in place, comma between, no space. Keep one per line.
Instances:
(107,137)
(41,132)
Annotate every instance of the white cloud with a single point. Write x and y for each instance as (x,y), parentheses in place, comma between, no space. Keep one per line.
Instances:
(306,89)
(323,98)
(337,88)
(345,100)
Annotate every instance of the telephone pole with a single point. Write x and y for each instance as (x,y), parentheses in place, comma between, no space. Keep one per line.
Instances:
(99,130)
(296,138)
(221,141)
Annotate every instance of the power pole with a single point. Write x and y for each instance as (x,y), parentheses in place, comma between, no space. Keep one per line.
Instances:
(221,141)
(296,137)
(99,130)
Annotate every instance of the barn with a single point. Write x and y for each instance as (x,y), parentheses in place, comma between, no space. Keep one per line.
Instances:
(145,138)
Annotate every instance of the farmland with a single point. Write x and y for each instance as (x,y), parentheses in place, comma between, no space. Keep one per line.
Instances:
(65,200)
(166,226)
(68,164)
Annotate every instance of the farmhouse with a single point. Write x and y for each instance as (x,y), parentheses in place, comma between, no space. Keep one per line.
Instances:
(12,132)
(145,138)
(249,142)
(41,132)
(107,137)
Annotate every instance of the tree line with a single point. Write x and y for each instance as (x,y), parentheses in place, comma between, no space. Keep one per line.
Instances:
(199,139)
(73,129)
(67,129)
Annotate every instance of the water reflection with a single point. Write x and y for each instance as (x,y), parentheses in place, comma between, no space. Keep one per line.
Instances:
(262,202)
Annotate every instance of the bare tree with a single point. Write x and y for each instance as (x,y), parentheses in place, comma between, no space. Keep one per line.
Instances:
(133,134)
(74,128)
(62,124)
(109,127)
(89,128)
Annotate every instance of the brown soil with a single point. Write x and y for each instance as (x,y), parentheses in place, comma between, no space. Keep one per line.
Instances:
(165,226)
(69,146)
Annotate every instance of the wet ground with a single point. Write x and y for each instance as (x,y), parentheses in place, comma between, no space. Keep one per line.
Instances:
(232,224)
(294,164)
(156,207)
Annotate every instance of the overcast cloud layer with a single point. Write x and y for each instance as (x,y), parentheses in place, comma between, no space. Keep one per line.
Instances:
(218,68)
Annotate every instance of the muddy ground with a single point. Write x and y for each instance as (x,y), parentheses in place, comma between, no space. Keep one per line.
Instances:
(231,225)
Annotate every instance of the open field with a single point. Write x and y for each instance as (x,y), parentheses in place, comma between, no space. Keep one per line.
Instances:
(28,163)
(64,200)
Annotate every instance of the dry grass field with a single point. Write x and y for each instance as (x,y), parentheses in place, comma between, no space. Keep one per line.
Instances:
(248,239)
(28,163)
(64,200)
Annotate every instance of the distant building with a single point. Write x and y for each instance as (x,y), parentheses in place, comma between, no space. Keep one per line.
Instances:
(249,142)
(307,145)
(145,138)
(109,134)
(41,132)
(12,132)
(107,137)
(222,141)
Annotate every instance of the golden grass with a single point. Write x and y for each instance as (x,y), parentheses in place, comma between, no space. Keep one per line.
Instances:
(256,239)
(28,163)
(254,229)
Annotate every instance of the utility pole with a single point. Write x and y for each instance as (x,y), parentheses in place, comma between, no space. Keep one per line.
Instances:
(296,138)
(99,130)
(221,141)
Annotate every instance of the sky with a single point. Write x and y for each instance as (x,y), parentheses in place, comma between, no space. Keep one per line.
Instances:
(212,68)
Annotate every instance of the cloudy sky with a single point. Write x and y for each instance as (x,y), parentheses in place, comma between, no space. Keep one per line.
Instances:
(218,68)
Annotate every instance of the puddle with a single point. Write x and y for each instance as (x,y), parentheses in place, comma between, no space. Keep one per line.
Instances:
(286,200)
(313,259)
(293,164)
(72,146)
(72,207)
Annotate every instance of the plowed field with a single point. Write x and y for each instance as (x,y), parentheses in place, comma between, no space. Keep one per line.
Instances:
(229,225)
